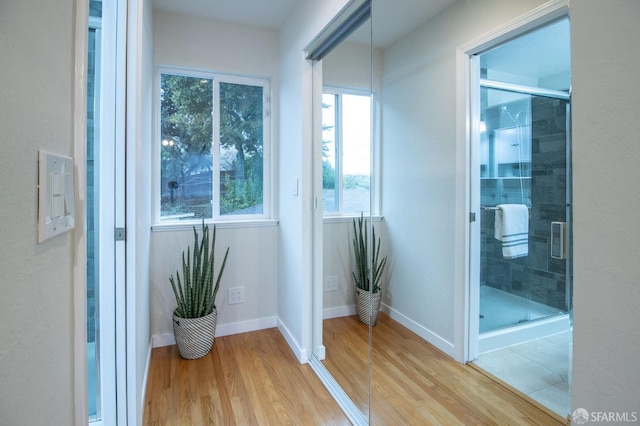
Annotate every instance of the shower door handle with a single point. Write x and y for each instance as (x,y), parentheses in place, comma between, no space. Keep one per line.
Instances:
(559,240)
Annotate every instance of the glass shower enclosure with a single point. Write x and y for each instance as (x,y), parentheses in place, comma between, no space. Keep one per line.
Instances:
(525,161)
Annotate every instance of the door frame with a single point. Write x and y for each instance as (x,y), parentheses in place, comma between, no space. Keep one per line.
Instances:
(467,291)
(81,415)
(113,325)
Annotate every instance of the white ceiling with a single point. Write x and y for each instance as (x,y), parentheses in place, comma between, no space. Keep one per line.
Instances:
(538,54)
(393,18)
(260,13)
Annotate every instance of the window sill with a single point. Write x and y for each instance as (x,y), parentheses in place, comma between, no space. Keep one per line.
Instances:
(185,226)
(346,218)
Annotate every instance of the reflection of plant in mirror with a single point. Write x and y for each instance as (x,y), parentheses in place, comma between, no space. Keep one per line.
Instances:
(361,276)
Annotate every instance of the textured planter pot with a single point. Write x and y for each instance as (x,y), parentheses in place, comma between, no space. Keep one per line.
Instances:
(194,336)
(368,306)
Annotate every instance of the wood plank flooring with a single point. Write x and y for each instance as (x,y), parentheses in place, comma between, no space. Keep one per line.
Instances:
(413,383)
(254,379)
(246,379)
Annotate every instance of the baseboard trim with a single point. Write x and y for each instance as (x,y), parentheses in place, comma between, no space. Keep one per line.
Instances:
(301,354)
(428,335)
(167,339)
(339,311)
(145,376)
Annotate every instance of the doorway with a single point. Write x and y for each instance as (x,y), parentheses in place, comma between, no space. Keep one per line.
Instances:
(521,171)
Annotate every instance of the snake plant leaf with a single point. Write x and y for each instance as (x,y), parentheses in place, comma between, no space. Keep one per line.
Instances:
(195,292)
(369,266)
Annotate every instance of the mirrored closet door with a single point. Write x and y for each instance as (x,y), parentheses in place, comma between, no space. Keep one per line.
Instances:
(344,190)
(399,63)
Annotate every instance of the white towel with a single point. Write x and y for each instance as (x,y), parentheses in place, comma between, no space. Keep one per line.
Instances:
(512,228)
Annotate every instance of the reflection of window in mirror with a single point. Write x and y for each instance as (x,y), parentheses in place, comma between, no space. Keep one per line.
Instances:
(346,151)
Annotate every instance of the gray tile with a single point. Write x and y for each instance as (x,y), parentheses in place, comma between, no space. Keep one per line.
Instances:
(544,353)
(555,397)
(518,371)
(528,366)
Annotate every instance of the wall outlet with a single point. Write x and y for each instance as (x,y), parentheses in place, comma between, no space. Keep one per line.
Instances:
(331,283)
(236,295)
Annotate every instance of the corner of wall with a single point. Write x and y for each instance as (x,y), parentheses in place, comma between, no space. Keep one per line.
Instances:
(301,354)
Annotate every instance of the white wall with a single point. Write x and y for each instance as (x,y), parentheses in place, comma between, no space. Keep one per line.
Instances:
(36,290)
(207,44)
(139,139)
(606,150)
(294,287)
(252,264)
(419,163)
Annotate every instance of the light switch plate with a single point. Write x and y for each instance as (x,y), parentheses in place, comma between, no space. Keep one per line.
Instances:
(55,195)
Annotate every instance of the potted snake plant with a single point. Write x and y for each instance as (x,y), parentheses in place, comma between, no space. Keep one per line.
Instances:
(194,319)
(369,267)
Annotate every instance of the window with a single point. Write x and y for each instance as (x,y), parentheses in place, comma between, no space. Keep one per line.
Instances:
(214,144)
(346,152)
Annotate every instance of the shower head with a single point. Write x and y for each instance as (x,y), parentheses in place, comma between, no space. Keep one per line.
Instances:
(514,119)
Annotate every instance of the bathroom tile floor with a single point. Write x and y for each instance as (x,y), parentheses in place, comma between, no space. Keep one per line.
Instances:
(539,368)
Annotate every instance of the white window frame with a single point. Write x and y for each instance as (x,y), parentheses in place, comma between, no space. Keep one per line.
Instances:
(340,213)
(265,217)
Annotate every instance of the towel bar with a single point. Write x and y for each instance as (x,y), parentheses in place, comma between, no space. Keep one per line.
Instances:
(498,208)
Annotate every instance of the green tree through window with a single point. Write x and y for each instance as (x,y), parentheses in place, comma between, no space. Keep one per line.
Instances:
(189,152)
(241,145)
(186,138)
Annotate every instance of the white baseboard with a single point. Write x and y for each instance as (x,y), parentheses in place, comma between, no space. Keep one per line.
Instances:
(167,339)
(301,354)
(339,311)
(428,335)
(145,376)
(164,339)
(246,326)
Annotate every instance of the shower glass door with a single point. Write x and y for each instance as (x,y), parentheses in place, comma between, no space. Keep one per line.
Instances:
(524,166)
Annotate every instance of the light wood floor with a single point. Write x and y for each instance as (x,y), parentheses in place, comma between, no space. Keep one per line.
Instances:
(413,383)
(246,379)
(254,379)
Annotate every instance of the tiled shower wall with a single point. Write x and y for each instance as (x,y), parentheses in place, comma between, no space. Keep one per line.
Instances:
(537,276)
